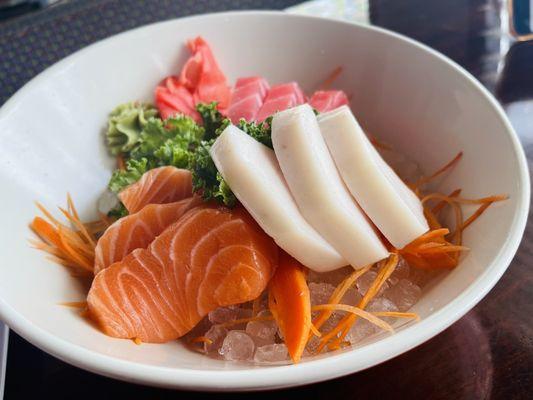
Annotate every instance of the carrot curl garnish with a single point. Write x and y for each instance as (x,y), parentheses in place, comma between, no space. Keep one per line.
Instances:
(424,180)
(357,312)
(72,246)
(74,304)
(337,334)
(396,314)
(202,339)
(437,209)
(338,293)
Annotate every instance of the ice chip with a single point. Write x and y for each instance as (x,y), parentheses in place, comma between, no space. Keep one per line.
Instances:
(332,322)
(400,272)
(262,332)
(360,330)
(404,294)
(381,304)
(243,313)
(421,277)
(224,314)
(333,277)
(237,346)
(320,292)
(365,281)
(312,346)
(351,297)
(271,353)
(216,334)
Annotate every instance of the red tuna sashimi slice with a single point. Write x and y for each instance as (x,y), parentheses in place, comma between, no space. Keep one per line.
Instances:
(247,98)
(172,98)
(202,75)
(280,98)
(327,100)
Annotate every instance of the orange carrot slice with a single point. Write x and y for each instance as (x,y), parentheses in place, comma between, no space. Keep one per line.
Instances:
(290,304)
(426,179)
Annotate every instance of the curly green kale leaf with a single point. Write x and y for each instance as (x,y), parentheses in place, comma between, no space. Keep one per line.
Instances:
(206,179)
(133,172)
(259,131)
(118,212)
(212,119)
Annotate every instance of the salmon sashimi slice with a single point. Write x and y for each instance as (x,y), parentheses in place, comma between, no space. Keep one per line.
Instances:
(157,186)
(212,257)
(247,98)
(327,100)
(280,98)
(203,77)
(138,230)
(172,98)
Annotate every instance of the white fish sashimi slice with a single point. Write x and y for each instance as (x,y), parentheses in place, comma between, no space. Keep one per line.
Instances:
(252,172)
(318,189)
(388,202)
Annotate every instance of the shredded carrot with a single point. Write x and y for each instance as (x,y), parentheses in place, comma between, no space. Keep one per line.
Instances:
(357,312)
(79,259)
(482,200)
(326,83)
(435,210)
(315,331)
(202,339)
(70,246)
(338,293)
(46,232)
(73,217)
(452,201)
(74,304)
(461,200)
(137,341)
(396,314)
(474,216)
(429,236)
(427,179)
(47,213)
(97,227)
(442,248)
(342,328)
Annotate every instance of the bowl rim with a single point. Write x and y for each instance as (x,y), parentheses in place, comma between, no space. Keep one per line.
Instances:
(329,367)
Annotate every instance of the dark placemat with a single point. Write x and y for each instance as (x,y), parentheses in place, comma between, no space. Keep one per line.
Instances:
(31,43)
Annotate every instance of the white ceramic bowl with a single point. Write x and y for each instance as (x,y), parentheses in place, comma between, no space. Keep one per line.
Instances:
(409,95)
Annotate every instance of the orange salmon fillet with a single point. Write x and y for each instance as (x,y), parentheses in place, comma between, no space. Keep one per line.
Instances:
(157,186)
(212,257)
(138,230)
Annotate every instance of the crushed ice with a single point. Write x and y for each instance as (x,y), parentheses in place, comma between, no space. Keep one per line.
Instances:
(261,341)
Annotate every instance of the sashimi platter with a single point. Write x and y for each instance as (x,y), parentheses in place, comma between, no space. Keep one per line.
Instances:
(255,222)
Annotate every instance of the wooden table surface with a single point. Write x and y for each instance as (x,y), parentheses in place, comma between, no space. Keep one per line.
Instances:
(488,354)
